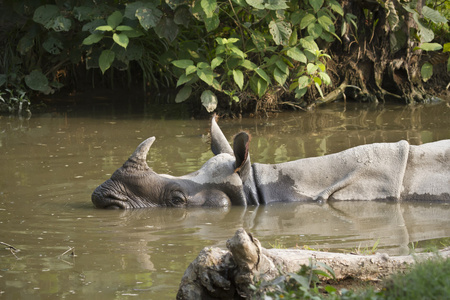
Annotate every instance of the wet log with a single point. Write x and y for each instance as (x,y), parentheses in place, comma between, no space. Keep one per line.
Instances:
(221,274)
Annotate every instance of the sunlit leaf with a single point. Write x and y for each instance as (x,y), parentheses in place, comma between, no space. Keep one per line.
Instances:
(212,22)
(307,20)
(426,71)
(300,92)
(429,47)
(446,47)
(280,31)
(124,28)
(238,77)
(259,4)
(104,28)
(216,62)
(297,54)
(262,74)
(433,15)
(249,65)
(258,85)
(121,39)
(279,76)
(325,78)
(334,5)
(303,81)
(315,30)
(209,7)
(182,63)
(209,100)
(207,75)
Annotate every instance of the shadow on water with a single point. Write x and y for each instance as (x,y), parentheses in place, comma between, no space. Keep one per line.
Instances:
(52,163)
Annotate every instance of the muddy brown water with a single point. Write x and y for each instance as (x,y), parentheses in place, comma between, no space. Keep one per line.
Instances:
(50,164)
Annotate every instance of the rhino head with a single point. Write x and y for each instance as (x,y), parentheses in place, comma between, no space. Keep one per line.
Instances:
(223,180)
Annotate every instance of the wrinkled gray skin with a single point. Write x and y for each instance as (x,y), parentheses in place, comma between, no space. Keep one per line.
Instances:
(385,171)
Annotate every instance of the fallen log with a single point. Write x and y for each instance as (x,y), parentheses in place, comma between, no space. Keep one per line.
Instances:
(221,274)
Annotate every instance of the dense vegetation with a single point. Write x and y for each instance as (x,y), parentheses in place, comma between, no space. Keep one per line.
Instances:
(237,55)
(426,280)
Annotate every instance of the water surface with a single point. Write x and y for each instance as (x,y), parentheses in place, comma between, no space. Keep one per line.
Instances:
(50,164)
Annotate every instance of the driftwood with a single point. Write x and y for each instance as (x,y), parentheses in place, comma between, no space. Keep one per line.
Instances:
(221,274)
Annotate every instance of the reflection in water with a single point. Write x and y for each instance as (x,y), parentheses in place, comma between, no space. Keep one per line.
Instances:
(51,164)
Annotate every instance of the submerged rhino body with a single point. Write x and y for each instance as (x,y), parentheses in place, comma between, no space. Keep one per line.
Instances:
(382,171)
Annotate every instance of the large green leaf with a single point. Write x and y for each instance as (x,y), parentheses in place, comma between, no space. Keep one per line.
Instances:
(315,30)
(297,54)
(309,43)
(184,78)
(426,71)
(209,100)
(334,5)
(426,34)
(207,75)
(262,74)
(259,4)
(92,39)
(183,63)
(216,62)
(209,7)
(121,39)
(45,15)
(114,19)
(429,47)
(167,29)
(275,4)
(279,76)
(280,31)
(183,94)
(307,20)
(316,4)
(106,59)
(304,81)
(37,81)
(433,15)
(258,85)
(148,16)
(238,77)
(326,23)
(212,22)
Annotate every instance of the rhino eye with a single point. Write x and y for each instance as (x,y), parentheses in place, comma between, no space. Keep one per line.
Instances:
(177,198)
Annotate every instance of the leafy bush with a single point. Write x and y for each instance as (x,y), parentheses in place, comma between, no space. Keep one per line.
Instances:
(227,50)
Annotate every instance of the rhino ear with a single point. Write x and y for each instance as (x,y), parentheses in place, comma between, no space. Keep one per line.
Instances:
(219,143)
(138,160)
(241,146)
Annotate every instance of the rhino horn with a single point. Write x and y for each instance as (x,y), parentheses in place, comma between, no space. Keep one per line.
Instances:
(219,143)
(138,160)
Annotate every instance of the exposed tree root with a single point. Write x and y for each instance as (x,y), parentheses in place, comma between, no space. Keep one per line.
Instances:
(220,274)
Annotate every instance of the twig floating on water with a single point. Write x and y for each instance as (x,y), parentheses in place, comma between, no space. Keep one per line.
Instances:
(11,248)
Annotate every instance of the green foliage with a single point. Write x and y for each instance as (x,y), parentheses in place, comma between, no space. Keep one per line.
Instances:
(301,285)
(426,280)
(260,44)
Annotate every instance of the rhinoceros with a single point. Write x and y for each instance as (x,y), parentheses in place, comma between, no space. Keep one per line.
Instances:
(381,171)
